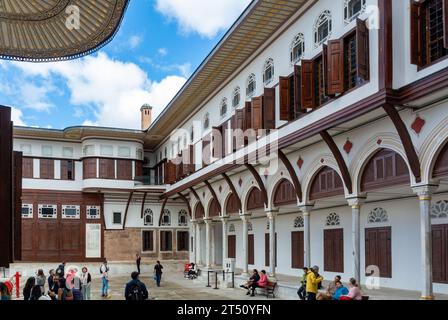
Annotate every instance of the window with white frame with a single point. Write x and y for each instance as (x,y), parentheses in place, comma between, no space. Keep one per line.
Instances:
(236,97)
(183,218)
(124,151)
(106,150)
(333,219)
(352,9)
(148,217)
(223,107)
(47,211)
(139,154)
(166,218)
(297,48)
(27,211)
(250,85)
(47,151)
(26,149)
(93,212)
(206,121)
(250,227)
(67,152)
(378,215)
(268,71)
(70,212)
(88,150)
(322,28)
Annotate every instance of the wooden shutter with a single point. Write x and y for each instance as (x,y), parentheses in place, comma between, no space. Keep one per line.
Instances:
(217,143)
(107,169)
(297,250)
(240,119)
(334,250)
(335,67)
(415,33)
(285,99)
(439,253)
(170,172)
(324,70)
(385,252)
(64,170)
(247,116)
(297,80)
(124,170)
(250,249)
(257,113)
(231,243)
(445,21)
(328,250)
(307,80)
(89,168)
(46,168)
(27,167)
(269,108)
(362,51)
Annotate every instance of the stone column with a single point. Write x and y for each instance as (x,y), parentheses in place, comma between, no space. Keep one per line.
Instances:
(212,244)
(306,211)
(193,255)
(198,244)
(425,195)
(271,217)
(225,248)
(245,250)
(355,204)
(208,225)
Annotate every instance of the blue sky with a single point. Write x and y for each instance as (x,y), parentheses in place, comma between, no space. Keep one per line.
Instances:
(160,43)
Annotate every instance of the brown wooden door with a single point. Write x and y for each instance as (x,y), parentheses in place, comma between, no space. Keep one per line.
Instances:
(439,253)
(378,249)
(269,108)
(250,249)
(231,244)
(334,250)
(267,251)
(297,250)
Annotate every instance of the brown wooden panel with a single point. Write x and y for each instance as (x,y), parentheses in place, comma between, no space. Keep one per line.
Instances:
(362,51)
(27,167)
(335,71)
(214,210)
(138,168)
(439,253)
(326,183)
(285,99)
(267,249)
(124,170)
(250,249)
(334,250)
(255,200)
(307,80)
(89,168)
(385,168)
(284,194)
(232,206)
(269,108)
(199,212)
(257,113)
(67,170)
(445,21)
(107,168)
(415,33)
(297,250)
(46,168)
(297,88)
(17,195)
(231,243)
(170,172)
(247,115)
(378,250)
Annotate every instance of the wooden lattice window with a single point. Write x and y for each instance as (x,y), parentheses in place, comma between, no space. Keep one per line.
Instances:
(319,81)
(350,65)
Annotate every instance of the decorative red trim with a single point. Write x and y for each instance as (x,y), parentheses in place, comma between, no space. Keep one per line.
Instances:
(418,125)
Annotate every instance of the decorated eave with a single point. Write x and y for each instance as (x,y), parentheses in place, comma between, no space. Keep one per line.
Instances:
(78,133)
(253,28)
(36,30)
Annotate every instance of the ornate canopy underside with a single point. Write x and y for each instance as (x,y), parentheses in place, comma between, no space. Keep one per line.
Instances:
(35,30)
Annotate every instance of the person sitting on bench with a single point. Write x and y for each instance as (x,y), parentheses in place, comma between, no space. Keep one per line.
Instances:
(192,273)
(253,279)
(262,283)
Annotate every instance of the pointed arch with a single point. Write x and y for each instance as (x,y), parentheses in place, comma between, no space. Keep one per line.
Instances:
(284,193)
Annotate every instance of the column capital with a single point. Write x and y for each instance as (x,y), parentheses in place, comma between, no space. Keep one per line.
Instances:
(424,192)
(224,218)
(356,201)
(207,221)
(245,217)
(306,208)
(271,214)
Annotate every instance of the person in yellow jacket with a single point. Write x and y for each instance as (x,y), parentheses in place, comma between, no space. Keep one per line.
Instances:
(312,282)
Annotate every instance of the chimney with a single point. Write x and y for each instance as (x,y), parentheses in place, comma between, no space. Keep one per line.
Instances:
(146,111)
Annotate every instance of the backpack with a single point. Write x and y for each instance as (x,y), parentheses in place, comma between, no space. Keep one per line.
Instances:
(136,293)
(101,271)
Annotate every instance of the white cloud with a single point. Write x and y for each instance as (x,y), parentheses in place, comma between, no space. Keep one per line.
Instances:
(162,51)
(114,88)
(36,97)
(135,41)
(16,117)
(206,18)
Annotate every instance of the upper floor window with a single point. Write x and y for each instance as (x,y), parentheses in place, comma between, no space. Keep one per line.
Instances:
(93,212)
(27,211)
(268,71)
(223,107)
(206,121)
(236,97)
(26,149)
(124,151)
(250,86)
(106,150)
(166,217)
(47,211)
(322,28)
(148,217)
(297,48)
(88,150)
(183,218)
(47,151)
(67,152)
(139,154)
(353,8)
(70,212)
(429,31)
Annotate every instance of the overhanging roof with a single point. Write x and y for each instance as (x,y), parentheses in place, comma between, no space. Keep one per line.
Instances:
(35,30)
(252,29)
